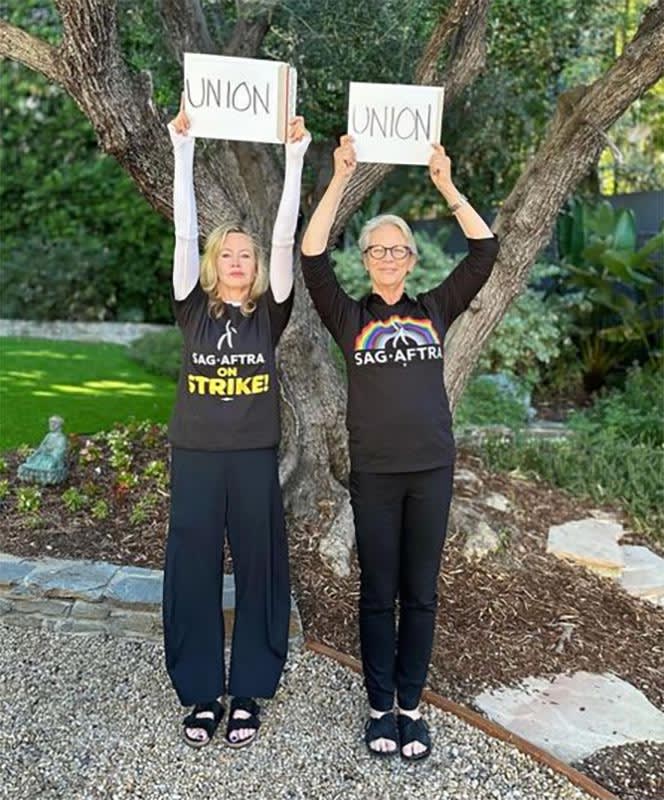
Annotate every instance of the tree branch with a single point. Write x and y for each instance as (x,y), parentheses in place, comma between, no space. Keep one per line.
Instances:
(467,53)
(576,138)
(247,36)
(186,27)
(468,18)
(462,13)
(31,51)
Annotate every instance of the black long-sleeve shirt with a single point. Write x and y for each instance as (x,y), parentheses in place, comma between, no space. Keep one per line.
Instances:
(398,415)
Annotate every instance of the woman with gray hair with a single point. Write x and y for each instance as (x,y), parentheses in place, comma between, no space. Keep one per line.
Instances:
(224,433)
(400,435)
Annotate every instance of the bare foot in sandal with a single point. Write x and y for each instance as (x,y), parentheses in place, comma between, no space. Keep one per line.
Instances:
(243,723)
(202,722)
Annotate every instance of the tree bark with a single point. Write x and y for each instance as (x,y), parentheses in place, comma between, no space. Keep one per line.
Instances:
(241,183)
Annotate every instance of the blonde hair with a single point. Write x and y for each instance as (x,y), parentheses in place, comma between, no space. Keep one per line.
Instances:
(386,219)
(210,279)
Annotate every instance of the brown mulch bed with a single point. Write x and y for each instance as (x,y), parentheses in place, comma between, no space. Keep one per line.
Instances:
(516,613)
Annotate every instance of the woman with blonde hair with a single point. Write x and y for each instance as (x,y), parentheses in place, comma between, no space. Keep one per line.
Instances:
(224,433)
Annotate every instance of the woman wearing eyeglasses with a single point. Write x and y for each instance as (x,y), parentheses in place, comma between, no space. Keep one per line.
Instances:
(400,436)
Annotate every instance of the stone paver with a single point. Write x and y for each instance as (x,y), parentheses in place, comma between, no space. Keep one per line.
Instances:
(497,501)
(643,575)
(591,543)
(572,716)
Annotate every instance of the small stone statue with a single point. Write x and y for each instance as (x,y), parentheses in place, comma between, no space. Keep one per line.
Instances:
(48,464)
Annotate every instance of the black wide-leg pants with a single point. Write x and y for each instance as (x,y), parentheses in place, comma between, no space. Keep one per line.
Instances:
(400,527)
(237,492)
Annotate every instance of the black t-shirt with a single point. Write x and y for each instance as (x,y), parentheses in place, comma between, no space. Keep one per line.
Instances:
(228,395)
(398,415)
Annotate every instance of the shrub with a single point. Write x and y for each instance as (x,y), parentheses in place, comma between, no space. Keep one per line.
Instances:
(484,403)
(160,353)
(99,509)
(533,333)
(616,453)
(73,499)
(28,498)
(620,319)
(634,413)
(48,280)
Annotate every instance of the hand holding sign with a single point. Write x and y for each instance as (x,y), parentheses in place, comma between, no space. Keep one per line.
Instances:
(298,137)
(440,168)
(181,122)
(345,160)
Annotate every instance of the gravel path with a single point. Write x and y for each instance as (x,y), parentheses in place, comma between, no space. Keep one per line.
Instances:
(95,718)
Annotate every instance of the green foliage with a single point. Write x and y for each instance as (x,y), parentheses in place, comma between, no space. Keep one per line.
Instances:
(99,510)
(79,241)
(3,465)
(634,413)
(619,288)
(143,508)
(483,403)
(4,488)
(616,453)
(28,499)
(57,279)
(160,353)
(74,500)
(533,333)
(377,41)
(90,453)
(157,471)
(126,479)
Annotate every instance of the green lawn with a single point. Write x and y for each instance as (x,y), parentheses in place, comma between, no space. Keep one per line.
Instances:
(90,385)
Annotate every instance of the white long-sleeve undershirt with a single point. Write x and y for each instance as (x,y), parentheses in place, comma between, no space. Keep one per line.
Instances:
(186,259)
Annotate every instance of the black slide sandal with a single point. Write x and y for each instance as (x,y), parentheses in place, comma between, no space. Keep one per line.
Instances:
(251,722)
(207,724)
(414,730)
(384,727)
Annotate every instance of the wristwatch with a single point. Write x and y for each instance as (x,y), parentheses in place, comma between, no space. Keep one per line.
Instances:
(460,202)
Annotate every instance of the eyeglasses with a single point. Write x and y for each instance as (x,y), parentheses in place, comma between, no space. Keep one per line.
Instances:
(397,251)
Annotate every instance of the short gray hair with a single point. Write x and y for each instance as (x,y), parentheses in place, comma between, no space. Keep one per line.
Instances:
(386,219)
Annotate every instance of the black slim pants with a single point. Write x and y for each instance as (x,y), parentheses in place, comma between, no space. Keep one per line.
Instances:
(213,492)
(400,526)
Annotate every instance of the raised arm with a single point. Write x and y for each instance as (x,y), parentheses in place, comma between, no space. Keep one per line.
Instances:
(318,230)
(456,292)
(440,170)
(283,235)
(186,266)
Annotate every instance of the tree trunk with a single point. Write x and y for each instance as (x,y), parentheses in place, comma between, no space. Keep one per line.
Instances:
(242,183)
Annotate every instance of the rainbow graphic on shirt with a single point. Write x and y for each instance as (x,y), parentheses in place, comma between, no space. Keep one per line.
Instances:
(407,331)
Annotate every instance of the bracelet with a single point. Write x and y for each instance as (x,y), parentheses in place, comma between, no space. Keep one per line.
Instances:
(460,202)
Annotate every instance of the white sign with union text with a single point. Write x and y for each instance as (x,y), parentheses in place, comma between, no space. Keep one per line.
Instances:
(243,99)
(394,123)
